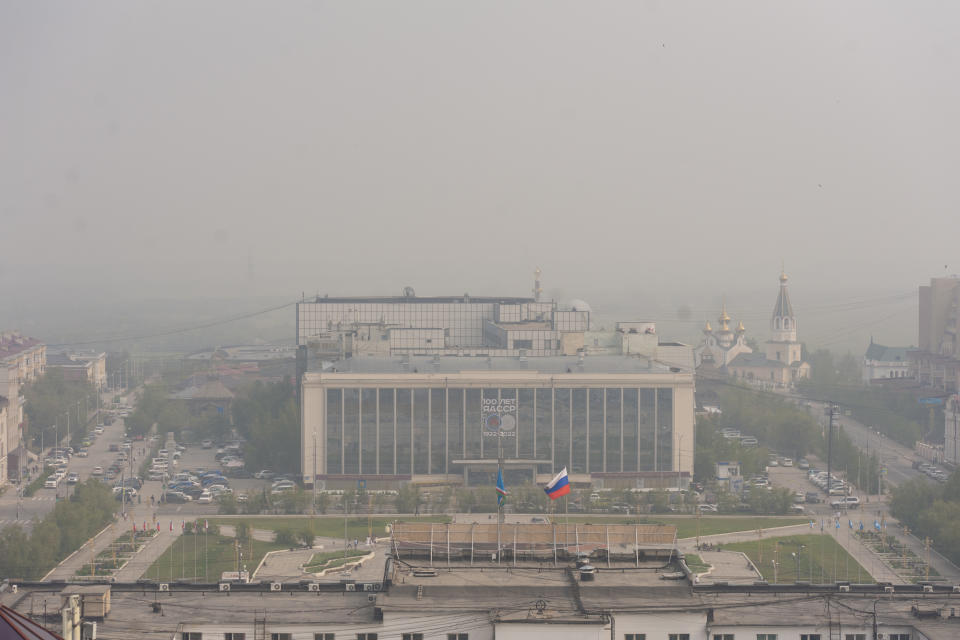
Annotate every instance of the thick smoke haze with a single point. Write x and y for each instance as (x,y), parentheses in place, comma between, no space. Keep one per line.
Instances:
(651,157)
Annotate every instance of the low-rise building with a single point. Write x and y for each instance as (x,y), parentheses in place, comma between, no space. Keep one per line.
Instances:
(883,363)
(22,360)
(88,367)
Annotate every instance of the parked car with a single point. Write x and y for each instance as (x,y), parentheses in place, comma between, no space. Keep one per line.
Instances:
(207,444)
(73,477)
(264,474)
(51,483)
(847,502)
(83,453)
(205,498)
(708,508)
(97,471)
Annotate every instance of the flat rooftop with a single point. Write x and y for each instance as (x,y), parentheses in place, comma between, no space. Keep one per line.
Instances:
(465,299)
(598,364)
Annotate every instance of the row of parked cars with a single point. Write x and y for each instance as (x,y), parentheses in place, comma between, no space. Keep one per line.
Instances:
(200,486)
(931,471)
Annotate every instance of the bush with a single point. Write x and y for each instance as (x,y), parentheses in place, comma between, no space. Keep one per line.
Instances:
(286,537)
(306,537)
(38,483)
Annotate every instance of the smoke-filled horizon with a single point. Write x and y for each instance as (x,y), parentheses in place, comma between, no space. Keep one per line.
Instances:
(653,158)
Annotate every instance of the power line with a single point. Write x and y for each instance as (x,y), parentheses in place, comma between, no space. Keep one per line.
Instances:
(171,332)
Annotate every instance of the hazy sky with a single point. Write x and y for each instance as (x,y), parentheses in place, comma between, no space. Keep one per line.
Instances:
(672,152)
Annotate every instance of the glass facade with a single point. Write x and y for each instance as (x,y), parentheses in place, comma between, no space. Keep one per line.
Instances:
(431,431)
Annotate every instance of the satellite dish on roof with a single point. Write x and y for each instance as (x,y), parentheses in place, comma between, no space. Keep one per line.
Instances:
(408,292)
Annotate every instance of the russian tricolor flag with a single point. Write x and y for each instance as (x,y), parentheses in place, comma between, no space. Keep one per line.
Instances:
(559,486)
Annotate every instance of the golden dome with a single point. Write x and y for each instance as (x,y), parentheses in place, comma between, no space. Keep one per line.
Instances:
(740,327)
(708,328)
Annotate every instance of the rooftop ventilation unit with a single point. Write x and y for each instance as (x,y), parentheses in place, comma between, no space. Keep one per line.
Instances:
(313,586)
(350,587)
(275,586)
(224,586)
(888,589)
(163,586)
(956,588)
(928,588)
(844,588)
(371,598)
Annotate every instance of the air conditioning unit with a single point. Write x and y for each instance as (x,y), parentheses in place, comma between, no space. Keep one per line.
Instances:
(844,588)
(275,586)
(371,598)
(351,587)
(313,586)
(377,586)
(89,630)
(956,588)
(928,588)
(224,586)
(368,586)
(14,588)
(163,586)
(888,589)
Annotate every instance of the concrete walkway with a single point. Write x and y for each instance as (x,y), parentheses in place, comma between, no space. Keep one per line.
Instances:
(139,513)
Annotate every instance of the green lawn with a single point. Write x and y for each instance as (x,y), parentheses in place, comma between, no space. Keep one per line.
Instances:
(330,559)
(325,526)
(188,558)
(687,526)
(822,559)
(695,563)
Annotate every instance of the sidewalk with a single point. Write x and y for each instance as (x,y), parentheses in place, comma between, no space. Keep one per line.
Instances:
(947,570)
(72,563)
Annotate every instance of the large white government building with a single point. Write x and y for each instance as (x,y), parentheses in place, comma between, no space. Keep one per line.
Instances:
(402,389)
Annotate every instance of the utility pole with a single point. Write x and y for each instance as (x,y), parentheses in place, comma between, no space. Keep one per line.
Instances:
(833,416)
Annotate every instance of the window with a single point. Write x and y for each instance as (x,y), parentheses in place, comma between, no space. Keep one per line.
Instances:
(634,636)
(234,636)
(723,636)
(679,636)
(856,636)
(413,636)
(898,636)
(809,636)
(281,636)
(766,636)
(322,636)
(366,636)
(458,636)
(191,635)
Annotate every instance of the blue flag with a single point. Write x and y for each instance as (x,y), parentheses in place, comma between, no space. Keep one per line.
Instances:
(501,489)
(861,525)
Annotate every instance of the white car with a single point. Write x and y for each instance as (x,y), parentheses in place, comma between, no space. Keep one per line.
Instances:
(51,483)
(97,471)
(98,430)
(205,498)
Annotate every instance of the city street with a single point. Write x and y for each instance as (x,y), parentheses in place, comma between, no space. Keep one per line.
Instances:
(43,501)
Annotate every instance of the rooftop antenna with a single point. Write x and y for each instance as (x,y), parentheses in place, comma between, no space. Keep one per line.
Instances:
(537,289)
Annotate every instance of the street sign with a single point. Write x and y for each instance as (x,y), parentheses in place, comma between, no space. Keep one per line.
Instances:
(931,400)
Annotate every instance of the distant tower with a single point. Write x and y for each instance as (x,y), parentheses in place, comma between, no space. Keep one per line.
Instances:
(537,289)
(783,345)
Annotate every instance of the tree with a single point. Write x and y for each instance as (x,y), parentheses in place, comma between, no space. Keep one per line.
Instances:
(306,537)
(48,401)
(266,415)
(323,502)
